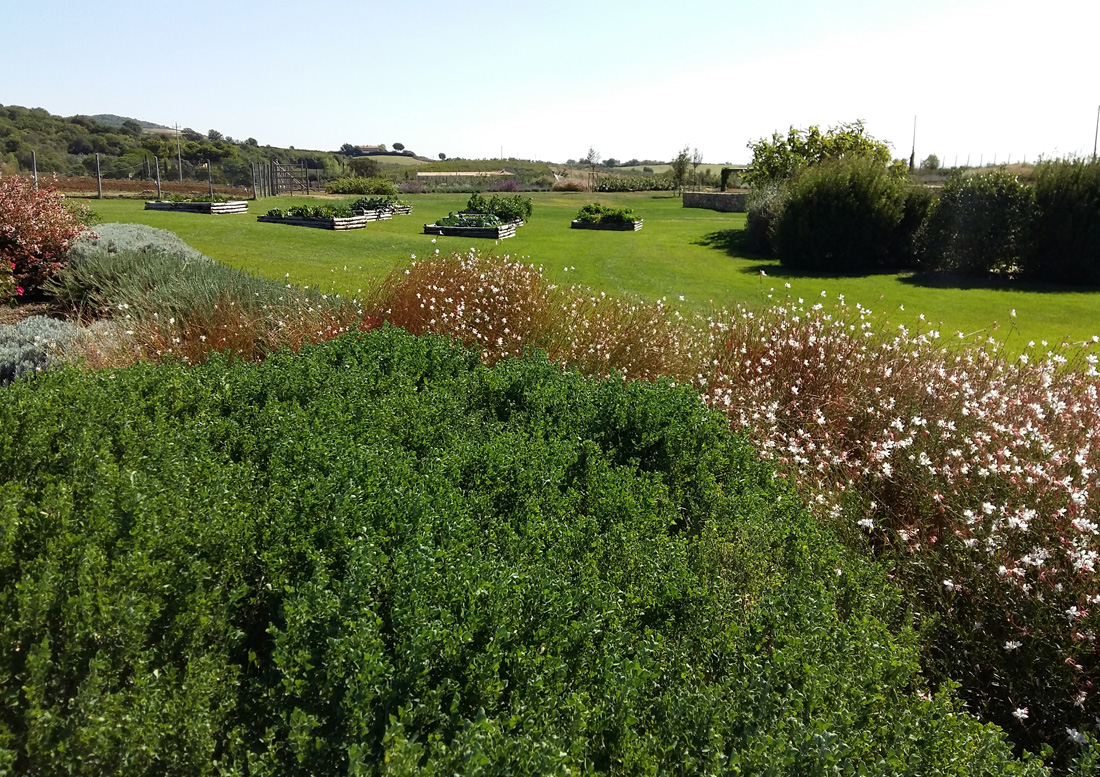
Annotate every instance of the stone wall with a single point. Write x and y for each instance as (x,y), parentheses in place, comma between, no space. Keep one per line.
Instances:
(726,202)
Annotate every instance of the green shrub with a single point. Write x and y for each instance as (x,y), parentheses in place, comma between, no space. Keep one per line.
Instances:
(981,225)
(842,217)
(469,220)
(128,279)
(514,208)
(765,205)
(356,185)
(376,203)
(378,556)
(28,347)
(595,213)
(199,198)
(1066,248)
(122,238)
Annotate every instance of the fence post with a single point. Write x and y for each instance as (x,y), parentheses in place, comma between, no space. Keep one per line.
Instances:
(305,167)
(156,164)
(98,180)
(34,168)
(210,178)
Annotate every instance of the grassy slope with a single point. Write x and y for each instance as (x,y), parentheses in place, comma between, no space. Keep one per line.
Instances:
(675,255)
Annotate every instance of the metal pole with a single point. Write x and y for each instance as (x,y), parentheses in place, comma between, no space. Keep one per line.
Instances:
(1096,134)
(34,168)
(210,178)
(98,180)
(252,167)
(156,164)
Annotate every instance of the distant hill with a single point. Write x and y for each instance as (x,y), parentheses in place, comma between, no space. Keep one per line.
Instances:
(114,121)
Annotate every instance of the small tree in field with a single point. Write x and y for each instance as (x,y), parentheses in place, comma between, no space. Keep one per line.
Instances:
(442,157)
(36,229)
(679,168)
(696,160)
(592,158)
(398,146)
(930,162)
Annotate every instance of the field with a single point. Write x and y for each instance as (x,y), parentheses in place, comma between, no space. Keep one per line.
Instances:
(690,256)
(715,169)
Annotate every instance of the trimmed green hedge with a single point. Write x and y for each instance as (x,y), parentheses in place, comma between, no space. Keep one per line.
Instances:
(380,556)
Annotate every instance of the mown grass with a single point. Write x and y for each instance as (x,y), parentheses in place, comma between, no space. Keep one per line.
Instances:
(689,253)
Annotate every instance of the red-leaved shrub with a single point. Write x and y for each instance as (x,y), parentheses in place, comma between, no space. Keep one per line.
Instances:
(36,229)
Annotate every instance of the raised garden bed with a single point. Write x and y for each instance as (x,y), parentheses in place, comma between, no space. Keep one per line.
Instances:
(401,210)
(233,206)
(617,226)
(496,233)
(337,223)
(382,214)
(467,214)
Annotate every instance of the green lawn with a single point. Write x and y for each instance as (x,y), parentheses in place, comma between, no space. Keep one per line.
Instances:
(680,252)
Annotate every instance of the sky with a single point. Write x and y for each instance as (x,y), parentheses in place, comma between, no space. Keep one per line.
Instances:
(983,80)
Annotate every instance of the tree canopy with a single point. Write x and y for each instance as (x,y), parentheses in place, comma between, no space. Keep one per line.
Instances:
(779,158)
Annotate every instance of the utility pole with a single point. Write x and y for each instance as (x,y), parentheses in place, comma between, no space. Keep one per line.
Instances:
(1096,134)
(179,155)
(913,153)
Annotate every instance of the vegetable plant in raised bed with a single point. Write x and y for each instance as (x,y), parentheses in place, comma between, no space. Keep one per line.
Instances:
(390,206)
(510,210)
(596,216)
(339,217)
(208,203)
(483,225)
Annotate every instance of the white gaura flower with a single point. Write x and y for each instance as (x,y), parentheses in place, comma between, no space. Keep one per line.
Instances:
(1020,713)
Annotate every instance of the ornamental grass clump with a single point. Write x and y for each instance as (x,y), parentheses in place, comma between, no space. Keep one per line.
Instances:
(503,307)
(180,304)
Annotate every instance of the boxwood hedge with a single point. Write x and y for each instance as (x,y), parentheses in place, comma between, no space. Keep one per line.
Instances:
(379,556)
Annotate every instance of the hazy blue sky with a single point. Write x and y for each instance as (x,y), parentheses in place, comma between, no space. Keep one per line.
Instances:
(549,79)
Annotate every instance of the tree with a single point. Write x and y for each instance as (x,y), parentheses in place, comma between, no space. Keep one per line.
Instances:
(364,167)
(130,127)
(696,160)
(779,158)
(214,135)
(398,146)
(190,134)
(592,158)
(930,162)
(251,142)
(679,167)
(442,156)
(611,162)
(349,150)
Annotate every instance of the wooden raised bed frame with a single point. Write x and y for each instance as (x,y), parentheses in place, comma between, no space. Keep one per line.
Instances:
(494,233)
(613,226)
(216,208)
(382,214)
(339,224)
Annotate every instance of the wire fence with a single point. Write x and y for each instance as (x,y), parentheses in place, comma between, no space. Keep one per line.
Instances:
(154,177)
